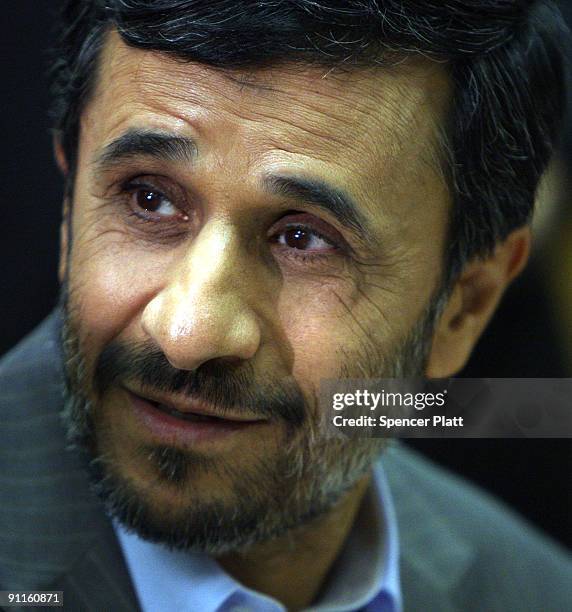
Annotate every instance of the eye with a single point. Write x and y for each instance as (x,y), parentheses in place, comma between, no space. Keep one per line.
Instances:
(153,201)
(303,239)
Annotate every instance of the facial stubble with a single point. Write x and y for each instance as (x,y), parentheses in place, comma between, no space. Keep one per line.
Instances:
(301,482)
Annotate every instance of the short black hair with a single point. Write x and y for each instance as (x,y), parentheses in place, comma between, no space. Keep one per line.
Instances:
(506,60)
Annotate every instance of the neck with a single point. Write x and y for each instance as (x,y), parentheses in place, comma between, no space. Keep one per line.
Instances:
(293,568)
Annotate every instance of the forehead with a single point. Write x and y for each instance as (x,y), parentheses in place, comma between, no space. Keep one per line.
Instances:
(358,124)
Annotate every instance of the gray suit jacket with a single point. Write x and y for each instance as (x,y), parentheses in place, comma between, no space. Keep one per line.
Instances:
(460,550)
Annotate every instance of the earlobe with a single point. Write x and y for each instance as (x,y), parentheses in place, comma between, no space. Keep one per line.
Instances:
(472,303)
(454,328)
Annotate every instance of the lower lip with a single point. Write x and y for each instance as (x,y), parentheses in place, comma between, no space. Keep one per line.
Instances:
(169,428)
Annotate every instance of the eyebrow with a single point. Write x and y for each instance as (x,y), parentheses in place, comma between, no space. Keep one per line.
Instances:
(183,149)
(329,198)
(144,143)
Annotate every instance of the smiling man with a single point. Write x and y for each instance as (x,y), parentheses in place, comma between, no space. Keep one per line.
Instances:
(261,196)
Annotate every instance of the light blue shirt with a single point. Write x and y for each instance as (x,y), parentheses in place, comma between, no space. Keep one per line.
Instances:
(364,577)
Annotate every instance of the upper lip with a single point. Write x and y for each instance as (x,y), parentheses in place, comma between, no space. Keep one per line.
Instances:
(193,406)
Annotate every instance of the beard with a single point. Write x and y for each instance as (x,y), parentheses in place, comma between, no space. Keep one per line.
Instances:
(303,480)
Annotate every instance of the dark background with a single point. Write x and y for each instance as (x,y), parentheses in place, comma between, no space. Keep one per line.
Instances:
(533,476)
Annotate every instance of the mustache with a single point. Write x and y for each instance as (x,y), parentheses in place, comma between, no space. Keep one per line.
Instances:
(222,383)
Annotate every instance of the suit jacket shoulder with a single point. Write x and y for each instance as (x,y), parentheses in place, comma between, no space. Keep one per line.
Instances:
(468,550)
(54,534)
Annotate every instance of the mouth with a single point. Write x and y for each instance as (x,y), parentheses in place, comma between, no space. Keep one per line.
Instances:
(191,422)
(194,417)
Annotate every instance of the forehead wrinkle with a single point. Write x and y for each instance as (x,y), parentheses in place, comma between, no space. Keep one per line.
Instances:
(395,113)
(191,86)
(335,121)
(417,139)
(335,132)
(384,111)
(377,96)
(300,132)
(247,81)
(356,113)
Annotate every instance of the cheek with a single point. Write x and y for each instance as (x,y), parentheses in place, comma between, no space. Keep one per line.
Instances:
(109,288)
(332,328)
(314,317)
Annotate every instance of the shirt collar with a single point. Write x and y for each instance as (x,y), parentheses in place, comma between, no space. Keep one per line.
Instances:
(367,570)
(365,575)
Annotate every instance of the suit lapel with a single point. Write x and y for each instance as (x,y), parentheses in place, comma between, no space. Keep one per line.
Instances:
(434,556)
(99,580)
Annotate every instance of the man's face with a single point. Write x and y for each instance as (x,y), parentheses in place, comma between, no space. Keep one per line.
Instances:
(237,238)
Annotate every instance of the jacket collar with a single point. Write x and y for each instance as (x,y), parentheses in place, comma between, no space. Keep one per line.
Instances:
(435,555)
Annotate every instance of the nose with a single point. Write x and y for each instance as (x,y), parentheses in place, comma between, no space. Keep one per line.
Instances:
(203,311)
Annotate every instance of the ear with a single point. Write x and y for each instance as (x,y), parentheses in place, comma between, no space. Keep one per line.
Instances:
(474,299)
(62,162)
(64,242)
